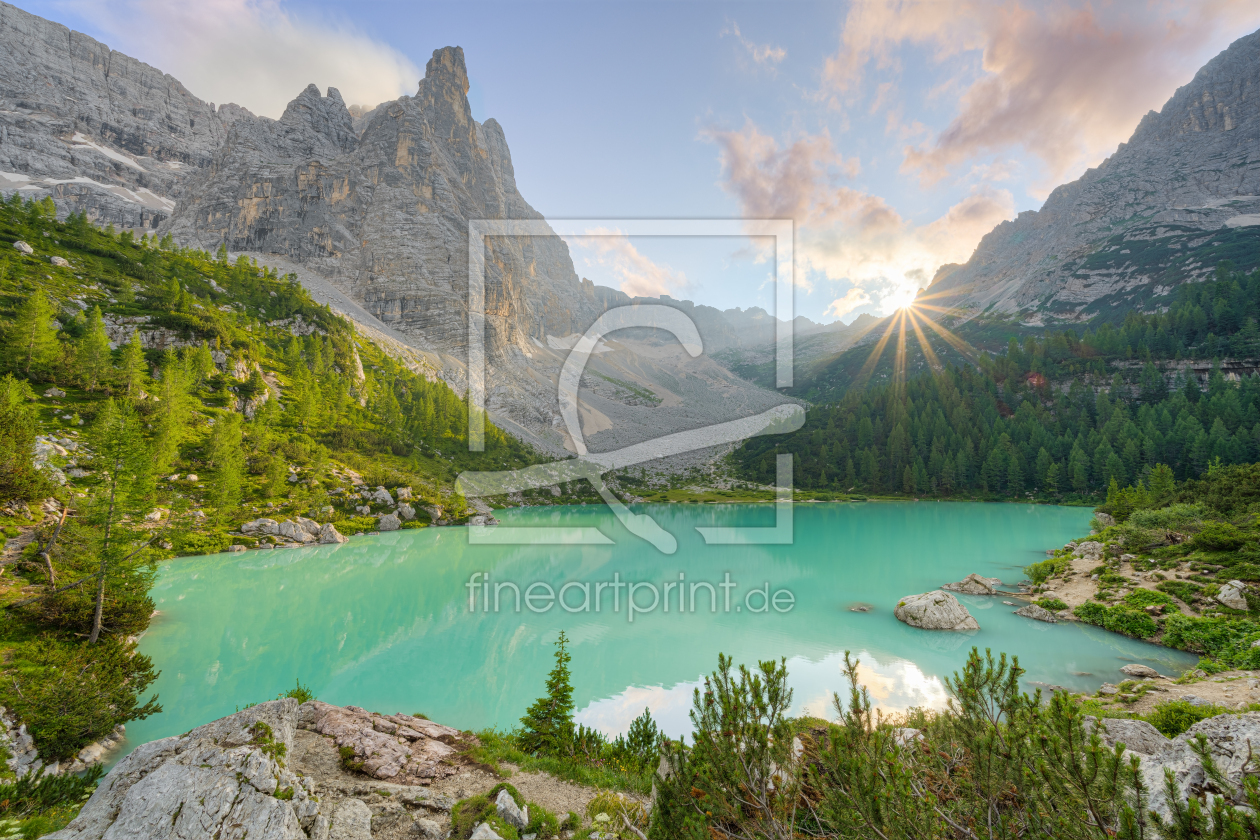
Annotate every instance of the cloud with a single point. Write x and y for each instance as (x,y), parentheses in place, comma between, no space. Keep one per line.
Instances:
(632,272)
(1065,80)
(841,306)
(845,234)
(764,55)
(255,53)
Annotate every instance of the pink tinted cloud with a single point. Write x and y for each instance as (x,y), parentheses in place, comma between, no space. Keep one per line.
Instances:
(1064,80)
(634,273)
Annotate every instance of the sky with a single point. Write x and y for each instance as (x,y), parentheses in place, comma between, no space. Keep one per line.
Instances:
(894,134)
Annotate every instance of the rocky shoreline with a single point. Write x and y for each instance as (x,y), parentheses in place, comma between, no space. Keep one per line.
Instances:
(281,770)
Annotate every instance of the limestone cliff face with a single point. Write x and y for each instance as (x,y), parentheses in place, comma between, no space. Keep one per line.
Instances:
(96,129)
(385,215)
(1181,195)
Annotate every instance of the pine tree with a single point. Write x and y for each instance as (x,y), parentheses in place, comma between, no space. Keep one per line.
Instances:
(91,353)
(18,424)
(174,409)
(31,339)
(133,373)
(548,724)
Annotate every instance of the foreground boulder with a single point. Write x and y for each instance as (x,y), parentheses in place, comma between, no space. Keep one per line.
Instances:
(220,780)
(935,611)
(1137,735)
(1229,739)
(1140,671)
(973,584)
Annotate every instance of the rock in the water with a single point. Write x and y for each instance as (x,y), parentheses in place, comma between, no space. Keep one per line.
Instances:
(220,780)
(23,247)
(1229,739)
(973,584)
(389,522)
(261,526)
(1139,671)
(935,611)
(1136,735)
(508,810)
(330,535)
(484,832)
(310,526)
(295,532)
(1232,595)
(1037,613)
(351,821)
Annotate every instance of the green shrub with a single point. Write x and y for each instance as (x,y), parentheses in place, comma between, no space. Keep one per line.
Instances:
(1039,573)
(1052,604)
(1119,619)
(188,543)
(1181,589)
(35,793)
(1140,598)
(1219,536)
(1174,717)
(72,695)
(299,692)
(475,810)
(1172,518)
(355,524)
(349,761)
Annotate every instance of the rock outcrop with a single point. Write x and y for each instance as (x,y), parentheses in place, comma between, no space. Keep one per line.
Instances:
(211,782)
(398,748)
(1180,195)
(1136,735)
(935,611)
(1230,739)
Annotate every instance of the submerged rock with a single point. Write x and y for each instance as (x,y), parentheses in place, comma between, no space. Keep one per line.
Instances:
(935,611)
(1037,613)
(973,584)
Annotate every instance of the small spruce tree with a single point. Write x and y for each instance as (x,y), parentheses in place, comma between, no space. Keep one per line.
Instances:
(548,724)
(92,358)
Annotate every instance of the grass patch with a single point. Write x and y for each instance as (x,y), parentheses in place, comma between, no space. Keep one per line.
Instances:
(498,747)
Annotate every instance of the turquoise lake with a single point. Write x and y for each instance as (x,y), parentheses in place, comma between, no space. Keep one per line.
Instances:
(383,622)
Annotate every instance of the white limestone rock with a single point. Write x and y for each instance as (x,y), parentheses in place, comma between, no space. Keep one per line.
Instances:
(1233,595)
(23,247)
(1136,735)
(1140,671)
(329,535)
(351,821)
(389,522)
(935,611)
(406,512)
(510,812)
(1037,613)
(974,584)
(263,526)
(217,780)
(1229,739)
(295,532)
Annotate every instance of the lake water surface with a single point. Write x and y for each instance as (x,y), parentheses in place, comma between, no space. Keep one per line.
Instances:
(383,622)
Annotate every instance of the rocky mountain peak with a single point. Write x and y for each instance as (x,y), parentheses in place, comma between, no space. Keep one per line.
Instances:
(1182,195)
(327,116)
(446,68)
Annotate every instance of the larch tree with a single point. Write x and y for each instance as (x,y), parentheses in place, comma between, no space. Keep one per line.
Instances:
(133,373)
(227,457)
(124,466)
(92,357)
(31,339)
